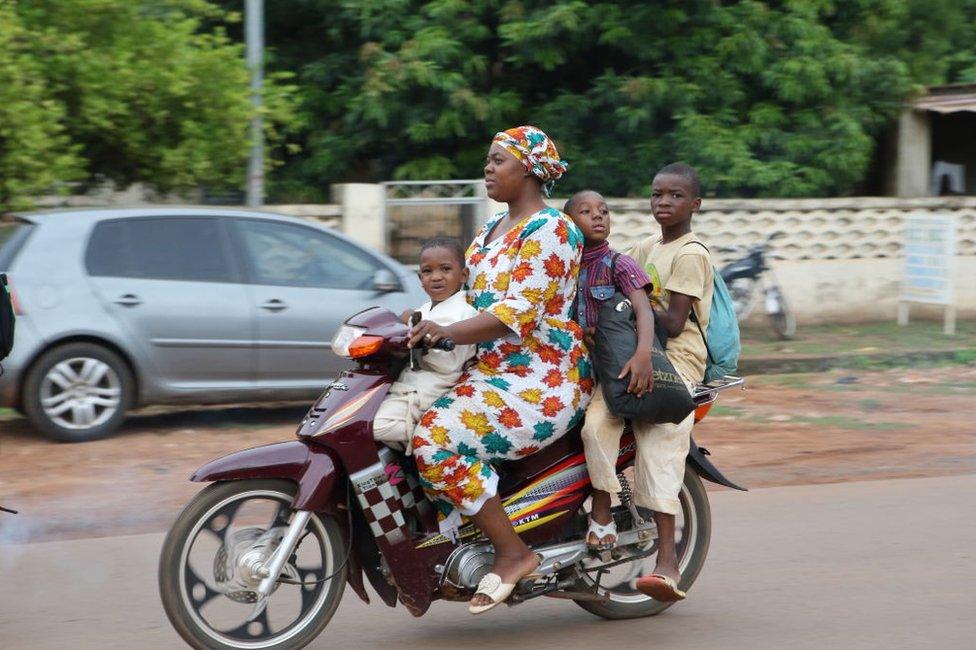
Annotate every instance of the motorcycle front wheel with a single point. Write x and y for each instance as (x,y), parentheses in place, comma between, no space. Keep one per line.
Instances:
(693,532)
(208,578)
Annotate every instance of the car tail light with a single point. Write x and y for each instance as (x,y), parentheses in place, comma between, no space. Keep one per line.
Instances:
(13,298)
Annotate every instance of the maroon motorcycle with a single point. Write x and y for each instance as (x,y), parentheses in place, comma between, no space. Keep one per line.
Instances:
(260,558)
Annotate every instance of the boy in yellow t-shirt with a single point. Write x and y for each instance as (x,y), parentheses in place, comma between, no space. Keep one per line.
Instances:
(681,272)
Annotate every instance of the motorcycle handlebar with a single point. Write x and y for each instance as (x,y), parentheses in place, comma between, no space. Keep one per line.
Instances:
(444,344)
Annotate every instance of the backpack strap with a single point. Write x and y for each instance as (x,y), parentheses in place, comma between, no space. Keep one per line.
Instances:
(694,316)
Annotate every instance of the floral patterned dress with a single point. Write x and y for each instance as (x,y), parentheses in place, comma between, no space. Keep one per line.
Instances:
(528,388)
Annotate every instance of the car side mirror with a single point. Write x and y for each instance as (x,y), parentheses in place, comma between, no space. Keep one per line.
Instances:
(384,281)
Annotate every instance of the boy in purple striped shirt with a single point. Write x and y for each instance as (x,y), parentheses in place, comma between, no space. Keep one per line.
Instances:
(602,273)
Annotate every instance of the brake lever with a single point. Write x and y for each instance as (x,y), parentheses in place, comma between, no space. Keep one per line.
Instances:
(417,351)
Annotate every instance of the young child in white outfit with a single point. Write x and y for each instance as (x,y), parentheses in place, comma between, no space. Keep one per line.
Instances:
(443,275)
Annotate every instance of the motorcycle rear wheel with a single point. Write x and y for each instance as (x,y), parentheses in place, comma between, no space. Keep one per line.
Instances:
(745,296)
(187,590)
(782,320)
(624,600)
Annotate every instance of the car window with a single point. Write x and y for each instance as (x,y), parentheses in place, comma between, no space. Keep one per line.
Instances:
(171,248)
(291,255)
(108,251)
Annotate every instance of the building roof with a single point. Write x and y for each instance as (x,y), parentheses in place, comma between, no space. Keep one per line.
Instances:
(952,98)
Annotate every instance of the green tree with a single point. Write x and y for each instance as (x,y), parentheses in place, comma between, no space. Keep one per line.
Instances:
(35,152)
(150,91)
(766,98)
(934,38)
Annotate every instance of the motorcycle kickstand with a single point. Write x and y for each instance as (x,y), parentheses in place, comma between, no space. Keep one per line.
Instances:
(272,569)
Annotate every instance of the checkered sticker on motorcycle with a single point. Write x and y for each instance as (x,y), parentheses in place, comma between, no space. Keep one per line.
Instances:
(380,504)
(405,483)
(412,495)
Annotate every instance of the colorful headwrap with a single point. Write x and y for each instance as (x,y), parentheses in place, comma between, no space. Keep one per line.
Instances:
(536,151)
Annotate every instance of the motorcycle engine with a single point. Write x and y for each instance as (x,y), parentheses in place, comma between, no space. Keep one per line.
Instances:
(468,564)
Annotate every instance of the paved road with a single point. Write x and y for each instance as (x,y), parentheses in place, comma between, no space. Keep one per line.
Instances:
(885,564)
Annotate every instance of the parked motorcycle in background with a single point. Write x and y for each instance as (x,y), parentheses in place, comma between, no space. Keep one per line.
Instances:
(749,277)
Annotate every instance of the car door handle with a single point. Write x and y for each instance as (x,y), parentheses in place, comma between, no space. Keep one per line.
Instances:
(128,300)
(274,305)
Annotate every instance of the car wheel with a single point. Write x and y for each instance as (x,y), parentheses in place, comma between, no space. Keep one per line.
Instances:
(78,392)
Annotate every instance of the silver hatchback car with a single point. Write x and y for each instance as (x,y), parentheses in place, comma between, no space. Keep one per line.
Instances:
(127,307)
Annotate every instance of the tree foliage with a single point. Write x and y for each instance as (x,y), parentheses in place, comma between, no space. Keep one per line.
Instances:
(35,151)
(150,91)
(766,98)
(781,98)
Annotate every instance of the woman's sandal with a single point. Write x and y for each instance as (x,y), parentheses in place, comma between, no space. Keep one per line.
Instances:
(601,531)
(493,587)
(661,588)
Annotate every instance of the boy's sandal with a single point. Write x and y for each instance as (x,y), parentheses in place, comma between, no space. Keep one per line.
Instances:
(661,588)
(493,587)
(601,531)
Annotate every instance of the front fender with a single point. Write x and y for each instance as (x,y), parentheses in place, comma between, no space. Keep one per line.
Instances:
(310,466)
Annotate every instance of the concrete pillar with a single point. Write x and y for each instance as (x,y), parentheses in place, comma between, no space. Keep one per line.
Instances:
(914,154)
(363,213)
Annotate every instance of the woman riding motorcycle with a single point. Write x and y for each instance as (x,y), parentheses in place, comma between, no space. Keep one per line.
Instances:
(531,382)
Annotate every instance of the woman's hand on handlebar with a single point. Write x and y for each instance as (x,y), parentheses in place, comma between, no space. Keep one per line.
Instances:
(420,332)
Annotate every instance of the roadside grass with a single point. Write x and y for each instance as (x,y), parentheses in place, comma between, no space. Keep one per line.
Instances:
(8,414)
(799,380)
(850,424)
(864,339)
(820,421)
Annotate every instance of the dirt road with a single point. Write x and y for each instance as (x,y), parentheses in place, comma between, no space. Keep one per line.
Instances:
(783,430)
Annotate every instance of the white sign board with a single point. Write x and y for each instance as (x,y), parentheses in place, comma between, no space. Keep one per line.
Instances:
(930,244)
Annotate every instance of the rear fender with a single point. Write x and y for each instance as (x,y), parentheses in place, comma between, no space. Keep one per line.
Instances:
(310,466)
(697,456)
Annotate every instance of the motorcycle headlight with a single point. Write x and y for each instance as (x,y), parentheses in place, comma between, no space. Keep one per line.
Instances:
(352,343)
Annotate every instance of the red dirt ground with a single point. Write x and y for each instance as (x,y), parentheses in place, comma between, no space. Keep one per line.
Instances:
(782,430)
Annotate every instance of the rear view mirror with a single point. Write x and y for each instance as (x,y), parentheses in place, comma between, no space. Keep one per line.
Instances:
(384,281)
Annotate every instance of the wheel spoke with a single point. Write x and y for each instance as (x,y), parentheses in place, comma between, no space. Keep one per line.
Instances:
(60,409)
(103,401)
(310,592)
(68,371)
(96,373)
(54,400)
(226,513)
(103,391)
(83,414)
(280,517)
(259,628)
(88,367)
(57,376)
(192,581)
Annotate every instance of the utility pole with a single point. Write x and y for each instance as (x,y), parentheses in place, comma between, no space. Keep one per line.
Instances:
(254,46)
